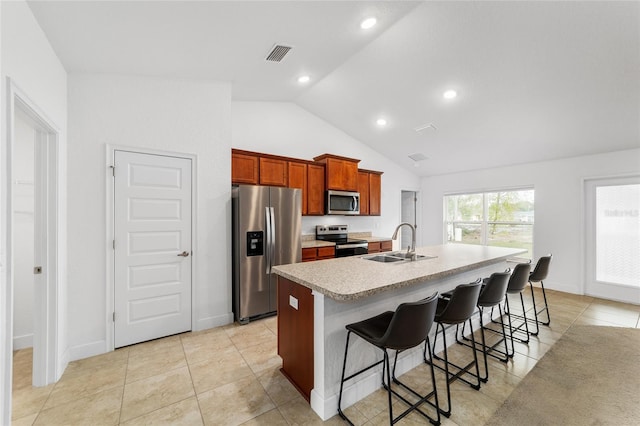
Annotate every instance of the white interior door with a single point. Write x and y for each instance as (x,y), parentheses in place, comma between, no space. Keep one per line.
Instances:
(152,223)
(613,238)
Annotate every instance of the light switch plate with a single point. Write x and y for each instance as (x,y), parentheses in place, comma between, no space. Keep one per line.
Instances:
(293,302)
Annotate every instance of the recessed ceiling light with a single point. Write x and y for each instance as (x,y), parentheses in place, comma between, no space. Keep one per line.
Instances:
(381,122)
(303,79)
(450,94)
(368,23)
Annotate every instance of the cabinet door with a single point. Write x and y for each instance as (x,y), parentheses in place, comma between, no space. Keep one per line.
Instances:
(386,245)
(374,247)
(315,189)
(298,179)
(375,187)
(342,175)
(244,169)
(363,189)
(326,252)
(308,254)
(273,172)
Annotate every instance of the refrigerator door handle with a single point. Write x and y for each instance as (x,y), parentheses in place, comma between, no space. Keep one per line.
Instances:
(273,238)
(267,221)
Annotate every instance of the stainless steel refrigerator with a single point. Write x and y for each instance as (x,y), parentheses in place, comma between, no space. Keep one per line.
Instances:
(266,232)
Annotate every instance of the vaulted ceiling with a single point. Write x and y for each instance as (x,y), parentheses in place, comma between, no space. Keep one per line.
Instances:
(534,80)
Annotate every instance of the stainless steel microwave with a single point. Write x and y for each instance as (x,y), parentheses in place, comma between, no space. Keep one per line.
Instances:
(343,202)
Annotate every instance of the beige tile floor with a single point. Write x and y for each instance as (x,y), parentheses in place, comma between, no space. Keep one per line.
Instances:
(229,376)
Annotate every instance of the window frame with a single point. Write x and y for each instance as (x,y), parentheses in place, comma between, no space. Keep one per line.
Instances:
(485,222)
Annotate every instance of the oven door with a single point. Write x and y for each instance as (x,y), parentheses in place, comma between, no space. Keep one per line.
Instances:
(344,251)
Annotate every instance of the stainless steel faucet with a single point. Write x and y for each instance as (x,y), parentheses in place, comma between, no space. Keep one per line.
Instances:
(411,251)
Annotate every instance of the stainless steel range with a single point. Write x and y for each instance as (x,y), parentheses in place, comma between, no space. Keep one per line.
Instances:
(339,234)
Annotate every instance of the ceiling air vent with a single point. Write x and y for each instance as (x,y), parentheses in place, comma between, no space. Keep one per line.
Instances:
(418,156)
(278,53)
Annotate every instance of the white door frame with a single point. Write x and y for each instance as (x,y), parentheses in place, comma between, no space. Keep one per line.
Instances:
(110,231)
(46,295)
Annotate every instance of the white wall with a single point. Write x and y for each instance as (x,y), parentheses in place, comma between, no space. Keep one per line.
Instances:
(28,59)
(138,112)
(283,128)
(559,205)
(23,244)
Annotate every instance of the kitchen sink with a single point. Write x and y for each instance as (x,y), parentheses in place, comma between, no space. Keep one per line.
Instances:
(397,256)
(384,258)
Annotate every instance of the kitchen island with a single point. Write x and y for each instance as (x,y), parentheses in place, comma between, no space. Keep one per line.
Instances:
(317,299)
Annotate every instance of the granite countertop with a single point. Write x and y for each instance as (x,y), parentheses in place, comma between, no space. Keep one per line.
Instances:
(352,278)
(316,244)
(371,239)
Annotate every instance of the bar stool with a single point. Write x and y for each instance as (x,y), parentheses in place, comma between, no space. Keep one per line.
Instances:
(455,311)
(492,294)
(517,283)
(538,274)
(403,329)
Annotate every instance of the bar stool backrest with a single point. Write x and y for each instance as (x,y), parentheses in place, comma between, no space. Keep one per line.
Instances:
(494,289)
(519,278)
(462,304)
(410,324)
(541,270)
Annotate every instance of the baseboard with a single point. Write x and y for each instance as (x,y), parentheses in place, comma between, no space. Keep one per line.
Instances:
(87,350)
(573,288)
(22,342)
(211,322)
(63,362)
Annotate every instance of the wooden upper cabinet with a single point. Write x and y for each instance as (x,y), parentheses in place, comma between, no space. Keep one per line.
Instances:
(273,172)
(315,189)
(298,179)
(341,172)
(363,189)
(244,168)
(375,193)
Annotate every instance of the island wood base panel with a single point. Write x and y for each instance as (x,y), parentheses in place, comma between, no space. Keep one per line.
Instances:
(295,334)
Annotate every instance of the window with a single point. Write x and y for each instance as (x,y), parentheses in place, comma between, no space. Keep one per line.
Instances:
(499,218)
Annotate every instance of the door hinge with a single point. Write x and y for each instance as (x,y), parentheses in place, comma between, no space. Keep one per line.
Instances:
(114,316)
(37,270)
(114,244)
(113,170)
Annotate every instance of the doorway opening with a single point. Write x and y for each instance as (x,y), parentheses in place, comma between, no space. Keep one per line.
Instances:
(408,213)
(31,191)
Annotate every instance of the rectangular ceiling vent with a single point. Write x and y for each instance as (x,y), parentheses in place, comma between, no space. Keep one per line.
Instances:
(418,156)
(278,53)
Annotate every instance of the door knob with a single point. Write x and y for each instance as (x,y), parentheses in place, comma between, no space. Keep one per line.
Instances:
(184,254)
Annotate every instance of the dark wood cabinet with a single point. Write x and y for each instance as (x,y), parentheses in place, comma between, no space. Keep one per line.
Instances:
(375,193)
(341,172)
(295,334)
(298,179)
(315,189)
(363,189)
(244,168)
(369,187)
(379,246)
(310,254)
(273,172)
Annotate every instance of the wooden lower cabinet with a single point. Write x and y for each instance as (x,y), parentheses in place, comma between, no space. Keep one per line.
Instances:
(295,334)
(379,246)
(310,254)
